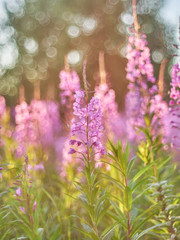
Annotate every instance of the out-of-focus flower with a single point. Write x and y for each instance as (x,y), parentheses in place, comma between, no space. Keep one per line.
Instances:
(69,84)
(45,117)
(22,209)
(111,117)
(2,106)
(86,128)
(0,172)
(39,166)
(25,131)
(142,86)
(175,107)
(160,111)
(34,206)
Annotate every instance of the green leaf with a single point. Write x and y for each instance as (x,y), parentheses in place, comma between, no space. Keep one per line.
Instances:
(114,181)
(87,228)
(138,236)
(142,171)
(126,155)
(139,225)
(113,149)
(128,198)
(109,232)
(130,165)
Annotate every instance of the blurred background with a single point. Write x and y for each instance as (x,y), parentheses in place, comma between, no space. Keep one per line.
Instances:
(35,36)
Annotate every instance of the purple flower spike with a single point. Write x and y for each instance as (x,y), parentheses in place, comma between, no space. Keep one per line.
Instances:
(175,107)
(87,124)
(142,86)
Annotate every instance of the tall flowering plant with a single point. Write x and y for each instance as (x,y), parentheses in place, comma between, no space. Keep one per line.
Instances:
(175,107)
(146,110)
(26,204)
(86,131)
(141,83)
(69,84)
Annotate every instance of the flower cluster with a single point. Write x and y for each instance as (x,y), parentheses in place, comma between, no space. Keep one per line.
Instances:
(2,106)
(142,86)
(25,132)
(139,68)
(37,124)
(111,117)
(69,84)
(45,117)
(159,109)
(175,106)
(86,128)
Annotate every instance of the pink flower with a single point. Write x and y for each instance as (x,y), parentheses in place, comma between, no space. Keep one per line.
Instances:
(141,85)
(22,209)
(111,117)
(39,166)
(34,206)
(175,107)
(2,106)
(18,192)
(87,124)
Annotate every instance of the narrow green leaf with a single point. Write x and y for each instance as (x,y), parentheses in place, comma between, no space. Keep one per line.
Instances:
(128,198)
(130,165)
(148,230)
(142,171)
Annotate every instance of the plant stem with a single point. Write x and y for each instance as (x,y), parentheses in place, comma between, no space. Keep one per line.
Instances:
(128,216)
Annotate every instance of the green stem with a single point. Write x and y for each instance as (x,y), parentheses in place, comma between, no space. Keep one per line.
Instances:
(128,216)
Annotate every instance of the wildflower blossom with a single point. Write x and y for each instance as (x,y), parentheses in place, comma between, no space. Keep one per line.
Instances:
(2,106)
(86,128)
(0,172)
(25,131)
(45,117)
(175,107)
(111,117)
(69,84)
(141,84)
(159,109)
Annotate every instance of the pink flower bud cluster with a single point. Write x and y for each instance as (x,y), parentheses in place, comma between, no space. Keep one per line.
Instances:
(2,106)
(25,131)
(86,128)
(175,107)
(142,86)
(69,84)
(139,68)
(37,124)
(45,117)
